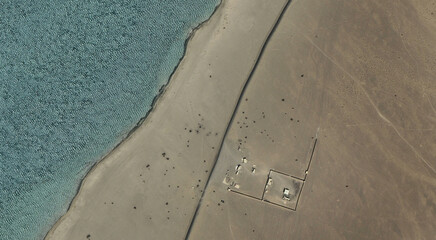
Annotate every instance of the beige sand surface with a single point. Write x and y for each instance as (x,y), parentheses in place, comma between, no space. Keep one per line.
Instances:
(149,186)
(360,77)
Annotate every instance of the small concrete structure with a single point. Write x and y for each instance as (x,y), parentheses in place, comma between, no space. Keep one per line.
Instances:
(237,169)
(286,194)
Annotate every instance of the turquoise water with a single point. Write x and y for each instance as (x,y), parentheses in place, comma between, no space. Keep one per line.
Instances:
(75,77)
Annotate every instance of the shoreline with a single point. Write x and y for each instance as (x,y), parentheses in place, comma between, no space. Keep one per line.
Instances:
(131,146)
(142,120)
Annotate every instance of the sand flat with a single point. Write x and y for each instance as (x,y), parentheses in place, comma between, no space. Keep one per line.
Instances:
(358,76)
(150,185)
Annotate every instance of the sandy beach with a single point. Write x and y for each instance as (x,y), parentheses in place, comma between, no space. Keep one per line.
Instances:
(151,184)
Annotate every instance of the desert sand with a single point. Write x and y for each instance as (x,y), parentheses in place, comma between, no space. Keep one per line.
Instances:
(150,185)
(340,111)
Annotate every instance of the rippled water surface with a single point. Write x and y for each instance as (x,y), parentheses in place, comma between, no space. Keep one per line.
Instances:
(75,77)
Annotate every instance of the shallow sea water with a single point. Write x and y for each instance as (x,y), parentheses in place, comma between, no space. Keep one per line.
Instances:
(75,77)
